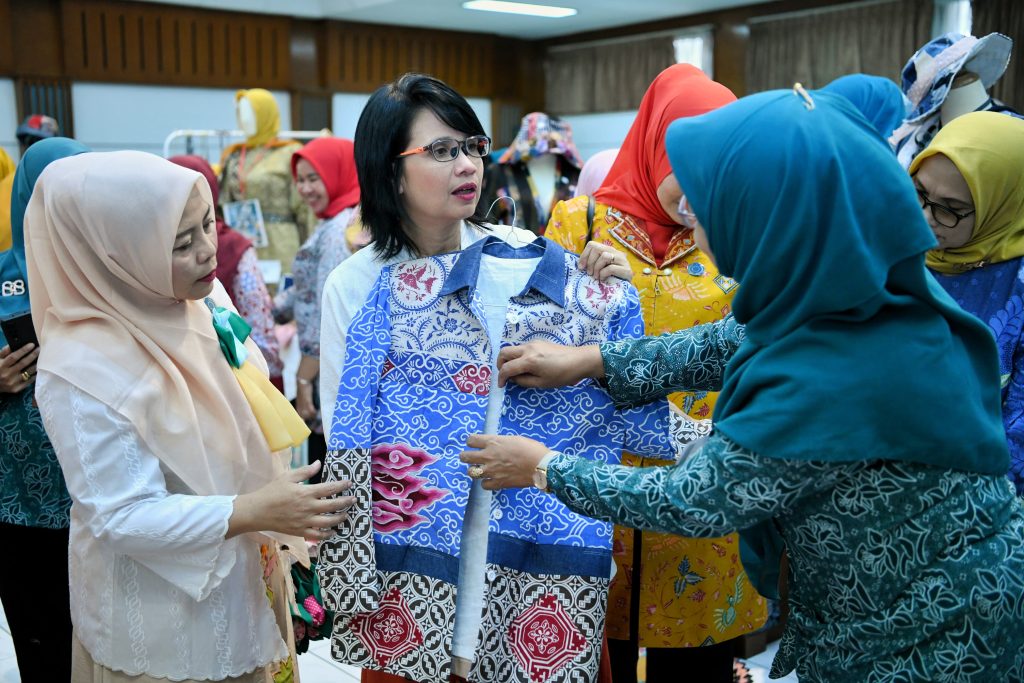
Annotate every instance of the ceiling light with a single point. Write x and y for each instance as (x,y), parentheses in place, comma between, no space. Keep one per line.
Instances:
(520,8)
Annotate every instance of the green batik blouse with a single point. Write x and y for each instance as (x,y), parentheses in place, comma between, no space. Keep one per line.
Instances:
(32,488)
(899,572)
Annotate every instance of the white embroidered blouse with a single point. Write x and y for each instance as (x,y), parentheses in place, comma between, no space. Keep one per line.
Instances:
(155,587)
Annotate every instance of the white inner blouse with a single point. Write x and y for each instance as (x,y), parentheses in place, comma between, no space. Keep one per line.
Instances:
(499,280)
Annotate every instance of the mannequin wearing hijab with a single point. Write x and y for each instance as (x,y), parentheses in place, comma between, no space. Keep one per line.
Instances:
(972,195)
(259,168)
(134,369)
(636,214)
(538,169)
(34,500)
(324,172)
(238,270)
(832,427)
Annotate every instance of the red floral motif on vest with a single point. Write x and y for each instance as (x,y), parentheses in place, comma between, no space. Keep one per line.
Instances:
(473,379)
(544,639)
(390,631)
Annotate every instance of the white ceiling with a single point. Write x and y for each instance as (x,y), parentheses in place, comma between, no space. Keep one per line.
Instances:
(449,14)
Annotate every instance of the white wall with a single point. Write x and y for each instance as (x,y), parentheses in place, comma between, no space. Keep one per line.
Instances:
(595,132)
(8,118)
(109,116)
(348,106)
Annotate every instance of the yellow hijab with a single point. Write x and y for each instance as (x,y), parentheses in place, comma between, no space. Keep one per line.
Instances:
(268,121)
(6,188)
(6,164)
(6,185)
(988,149)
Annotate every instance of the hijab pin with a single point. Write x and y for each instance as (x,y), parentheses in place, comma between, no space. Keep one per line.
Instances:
(798,90)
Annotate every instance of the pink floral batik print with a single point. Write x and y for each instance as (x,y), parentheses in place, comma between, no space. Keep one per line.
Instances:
(399,493)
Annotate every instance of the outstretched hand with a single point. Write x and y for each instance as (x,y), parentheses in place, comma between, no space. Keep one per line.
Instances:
(545,365)
(288,506)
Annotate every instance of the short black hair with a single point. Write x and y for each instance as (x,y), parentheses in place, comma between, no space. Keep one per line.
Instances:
(382,134)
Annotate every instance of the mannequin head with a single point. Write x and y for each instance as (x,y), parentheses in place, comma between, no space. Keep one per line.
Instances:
(258,116)
(967,94)
(246,117)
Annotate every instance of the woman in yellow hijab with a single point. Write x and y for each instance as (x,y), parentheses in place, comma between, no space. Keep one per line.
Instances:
(970,182)
(260,168)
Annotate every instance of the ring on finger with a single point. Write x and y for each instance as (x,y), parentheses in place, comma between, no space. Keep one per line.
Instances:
(25,375)
(475,472)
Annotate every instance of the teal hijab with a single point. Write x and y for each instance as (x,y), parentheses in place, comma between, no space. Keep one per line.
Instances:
(853,351)
(12,262)
(880,100)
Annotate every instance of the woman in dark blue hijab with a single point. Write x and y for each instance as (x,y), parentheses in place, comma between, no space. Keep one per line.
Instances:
(834,432)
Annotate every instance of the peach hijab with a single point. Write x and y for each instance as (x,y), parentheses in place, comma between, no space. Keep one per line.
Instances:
(99,231)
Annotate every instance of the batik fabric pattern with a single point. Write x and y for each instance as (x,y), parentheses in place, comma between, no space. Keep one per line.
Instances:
(415,384)
(994,293)
(682,582)
(898,571)
(32,488)
(251,298)
(264,173)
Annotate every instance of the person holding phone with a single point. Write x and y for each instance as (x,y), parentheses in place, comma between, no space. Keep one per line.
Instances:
(34,499)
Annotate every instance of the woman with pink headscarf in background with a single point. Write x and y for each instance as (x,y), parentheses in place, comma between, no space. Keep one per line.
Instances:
(595,170)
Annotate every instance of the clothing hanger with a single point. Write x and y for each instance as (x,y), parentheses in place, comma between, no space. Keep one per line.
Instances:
(513,237)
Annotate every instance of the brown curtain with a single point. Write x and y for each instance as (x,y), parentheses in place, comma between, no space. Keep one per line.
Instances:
(1006,17)
(604,77)
(815,47)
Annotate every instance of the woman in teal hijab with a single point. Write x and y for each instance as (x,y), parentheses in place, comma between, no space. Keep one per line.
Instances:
(34,500)
(833,431)
(880,100)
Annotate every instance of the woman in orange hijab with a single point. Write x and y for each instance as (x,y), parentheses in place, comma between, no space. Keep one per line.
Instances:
(667,590)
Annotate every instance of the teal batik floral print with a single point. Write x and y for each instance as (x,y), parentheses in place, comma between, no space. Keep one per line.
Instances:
(898,571)
(32,488)
(642,370)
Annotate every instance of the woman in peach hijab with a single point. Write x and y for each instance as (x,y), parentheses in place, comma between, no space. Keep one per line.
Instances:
(172,440)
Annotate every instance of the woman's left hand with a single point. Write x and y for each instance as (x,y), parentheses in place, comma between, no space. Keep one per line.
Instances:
(603,262)
(503,462)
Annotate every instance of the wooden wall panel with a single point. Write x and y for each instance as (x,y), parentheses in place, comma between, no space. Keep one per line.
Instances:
(6,38)
(114,41)
(35,39)
(362,57)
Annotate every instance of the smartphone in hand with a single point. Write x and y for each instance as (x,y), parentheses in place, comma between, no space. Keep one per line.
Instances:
(19,331)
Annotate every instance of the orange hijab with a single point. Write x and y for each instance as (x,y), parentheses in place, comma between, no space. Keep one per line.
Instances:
(99,232)
(642,164)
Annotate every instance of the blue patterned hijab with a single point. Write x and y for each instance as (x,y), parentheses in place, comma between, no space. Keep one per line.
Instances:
(853,351)
(880,100)
(14,300)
